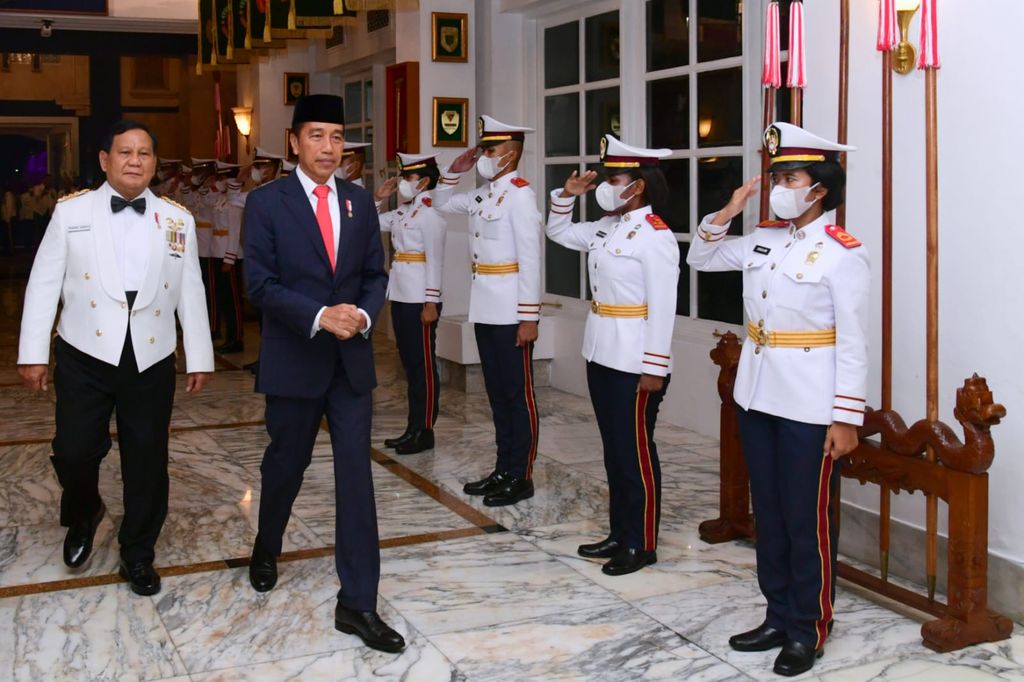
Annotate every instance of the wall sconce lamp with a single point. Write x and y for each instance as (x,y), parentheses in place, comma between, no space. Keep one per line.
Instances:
(243,121)
(906,54)
(704,127)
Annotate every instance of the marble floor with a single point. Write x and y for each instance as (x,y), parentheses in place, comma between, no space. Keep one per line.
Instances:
(478,593)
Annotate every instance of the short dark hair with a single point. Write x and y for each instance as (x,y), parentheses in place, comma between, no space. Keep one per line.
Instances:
(122,127)
(656,192)
(832,177)
(431,172)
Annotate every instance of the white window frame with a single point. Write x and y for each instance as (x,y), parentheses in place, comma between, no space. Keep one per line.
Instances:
(633,80)
(366,124)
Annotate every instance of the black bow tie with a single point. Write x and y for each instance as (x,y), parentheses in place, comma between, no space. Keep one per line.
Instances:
(118,204)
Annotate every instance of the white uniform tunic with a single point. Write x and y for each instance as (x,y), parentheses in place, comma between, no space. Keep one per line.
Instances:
(504,228)
(630,263)
(797,281)
(416,228)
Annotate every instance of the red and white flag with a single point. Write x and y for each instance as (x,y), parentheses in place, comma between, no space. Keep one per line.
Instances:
(887,33)
(771,75)
(929,58)
(797,76)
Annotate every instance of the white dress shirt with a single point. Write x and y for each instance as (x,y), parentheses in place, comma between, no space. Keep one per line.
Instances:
(128,231)
(308,185)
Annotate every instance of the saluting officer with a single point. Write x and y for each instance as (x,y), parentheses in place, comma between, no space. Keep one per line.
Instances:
(634,269)
(414,289)
(203,200)
(801,382)
(504,305)
(352,163)
(227,248)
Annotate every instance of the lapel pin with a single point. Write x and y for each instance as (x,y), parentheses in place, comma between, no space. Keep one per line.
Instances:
(348,207)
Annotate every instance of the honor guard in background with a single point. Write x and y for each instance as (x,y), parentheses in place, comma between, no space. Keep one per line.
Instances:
(203,202)
(353,162)
(418,235)
(227,247)
(123,262)
(633,263)
(166,179)
(801,383)
(505,253)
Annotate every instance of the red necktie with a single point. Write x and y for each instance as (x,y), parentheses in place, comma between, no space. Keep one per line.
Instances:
(323,217)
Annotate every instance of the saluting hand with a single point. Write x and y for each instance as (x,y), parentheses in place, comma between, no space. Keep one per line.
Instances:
(386,189)
(34,376)
(841,440)
(578,185)
(464,161)
(738,201)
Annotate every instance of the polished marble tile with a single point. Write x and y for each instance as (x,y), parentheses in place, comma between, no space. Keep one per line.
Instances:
(29,491)
(35,554)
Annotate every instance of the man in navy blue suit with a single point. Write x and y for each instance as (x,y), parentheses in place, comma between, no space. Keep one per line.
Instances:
(316,270)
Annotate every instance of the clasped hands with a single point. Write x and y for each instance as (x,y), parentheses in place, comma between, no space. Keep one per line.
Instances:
(343,320)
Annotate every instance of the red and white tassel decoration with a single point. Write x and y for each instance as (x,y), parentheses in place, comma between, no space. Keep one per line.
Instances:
(888,36)
(929,58)
(797,76)
(771,74)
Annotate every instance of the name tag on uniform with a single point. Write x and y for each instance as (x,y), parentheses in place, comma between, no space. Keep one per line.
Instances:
(79,228)
(479,199)
(763,250)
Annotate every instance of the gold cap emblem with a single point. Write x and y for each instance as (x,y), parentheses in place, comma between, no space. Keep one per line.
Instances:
(604,146)
(772,140)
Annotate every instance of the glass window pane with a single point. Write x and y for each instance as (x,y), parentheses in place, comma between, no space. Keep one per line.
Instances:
(719,30)
(602,118)
(602,47)
(562,125)
(720,108)
(593,211)
(561,265)
(677,210)
(353,102)
(668,34)
(668,113)
(717,179)
(683,288)
(720,296)
(368,99)
(562,55)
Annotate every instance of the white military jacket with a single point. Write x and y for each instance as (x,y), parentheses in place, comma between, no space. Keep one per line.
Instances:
(816,278)
(227,227)
(632,261)
(204,201)
(504,229)
(416,229)
(76,265)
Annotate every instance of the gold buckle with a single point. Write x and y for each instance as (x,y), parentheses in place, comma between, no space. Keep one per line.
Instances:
(595,307)
(473,268)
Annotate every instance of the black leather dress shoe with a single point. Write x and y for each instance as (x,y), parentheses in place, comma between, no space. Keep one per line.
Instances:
(231,347)
(796,658)
(420,441)
(252,367)
(262,568)
(605,549)
(78,541)
(485,485)
(761,638)
(510,491)
(368,626)
(395,442)
(141,577)
(628,560)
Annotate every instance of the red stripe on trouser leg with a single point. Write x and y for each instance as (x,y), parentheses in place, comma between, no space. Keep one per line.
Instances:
(824,551)
(236,296)
(643,454)
(428,373)
(531,406)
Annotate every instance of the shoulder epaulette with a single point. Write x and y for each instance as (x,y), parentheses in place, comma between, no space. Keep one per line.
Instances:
(842,236)
(656,222)
(73,195)
(773,223)
(520,182)
(174,203)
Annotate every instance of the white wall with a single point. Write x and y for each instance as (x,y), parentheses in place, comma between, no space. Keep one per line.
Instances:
(979,251)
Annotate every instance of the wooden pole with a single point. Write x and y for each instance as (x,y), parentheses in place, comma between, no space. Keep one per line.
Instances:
(884,508)
(796,102)
(932,319)
(768,117)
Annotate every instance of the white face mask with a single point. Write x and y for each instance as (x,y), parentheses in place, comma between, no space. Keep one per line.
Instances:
(256,174)
(488,168)
(407,189)
(788,204)
(609,196)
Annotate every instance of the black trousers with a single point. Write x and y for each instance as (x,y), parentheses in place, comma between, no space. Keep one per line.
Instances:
(228,290)
(418,352)
(293,424)
(792,486)
(626,420)
(508,378)
(209,268)
(88,392)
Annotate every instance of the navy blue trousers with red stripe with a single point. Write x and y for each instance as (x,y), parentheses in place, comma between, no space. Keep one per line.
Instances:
(208,268)
(228,289)
(508,377)
(418,353)
(626,419)
(792,485)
